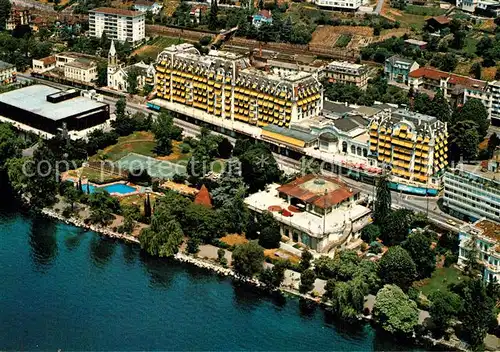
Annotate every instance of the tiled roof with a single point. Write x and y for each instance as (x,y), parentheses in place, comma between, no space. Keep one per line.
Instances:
(113,11)
(337,193)
(49,60)
(265,13)
(490,229)
(434,74)
(440,19)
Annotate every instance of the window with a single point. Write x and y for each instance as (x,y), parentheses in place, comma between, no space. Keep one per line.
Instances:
(353,149)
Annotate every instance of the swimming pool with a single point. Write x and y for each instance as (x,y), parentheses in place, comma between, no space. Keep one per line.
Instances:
(115,188)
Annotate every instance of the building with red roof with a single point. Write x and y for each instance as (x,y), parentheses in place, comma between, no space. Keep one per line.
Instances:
(456,88)
(318,211)
(203,197)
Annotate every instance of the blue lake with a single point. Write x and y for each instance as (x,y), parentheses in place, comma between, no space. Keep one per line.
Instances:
(64,288)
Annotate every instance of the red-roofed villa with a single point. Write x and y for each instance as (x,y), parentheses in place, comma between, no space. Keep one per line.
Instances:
(318,211)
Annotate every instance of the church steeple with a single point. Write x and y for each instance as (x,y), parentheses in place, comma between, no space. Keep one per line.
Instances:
(112,60)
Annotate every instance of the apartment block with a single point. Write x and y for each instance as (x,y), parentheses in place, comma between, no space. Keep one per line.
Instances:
(347,73)
(121,25)
(494,90)
(412,145)
(397,69)
(484,235)
(457,89)
(473,191)
(347,5)
(224,85)
(8,73)
(81,70)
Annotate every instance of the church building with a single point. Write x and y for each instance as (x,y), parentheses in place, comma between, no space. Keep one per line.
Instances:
(118,75)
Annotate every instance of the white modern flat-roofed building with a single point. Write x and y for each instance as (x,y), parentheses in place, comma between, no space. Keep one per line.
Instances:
(486,235)
(494,90)
(474,191)
(340,4)
(318,211)
(121,25)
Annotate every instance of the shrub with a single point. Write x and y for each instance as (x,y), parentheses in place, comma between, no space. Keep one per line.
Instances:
(178,178)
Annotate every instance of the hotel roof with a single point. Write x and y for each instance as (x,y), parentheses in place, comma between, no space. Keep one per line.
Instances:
(34,100)
(321,191)
(489,228)
(5,65)
(119,12)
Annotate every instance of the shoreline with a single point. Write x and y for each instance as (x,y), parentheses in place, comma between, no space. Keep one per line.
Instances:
(425,340)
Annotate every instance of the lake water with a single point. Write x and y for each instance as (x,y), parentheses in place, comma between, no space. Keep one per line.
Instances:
(64,288)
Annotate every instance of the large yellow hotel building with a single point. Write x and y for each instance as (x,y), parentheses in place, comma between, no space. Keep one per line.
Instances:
(413,145)
(224,84)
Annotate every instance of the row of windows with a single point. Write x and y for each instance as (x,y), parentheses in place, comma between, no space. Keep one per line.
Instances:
(459,202)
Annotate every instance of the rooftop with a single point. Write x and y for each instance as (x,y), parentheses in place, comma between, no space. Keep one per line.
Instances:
(321,191)
(426,72)
(415,42)
(489,228)
(34,100)
(5,65)
(49,60)
(337,108)
(443,20)
(119,12)
(84,64)
(395,58)
(289,132)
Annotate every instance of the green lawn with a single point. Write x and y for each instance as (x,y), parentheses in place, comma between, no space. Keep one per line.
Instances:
(150,51)
(470,45)
(138,142)
(439,280)
(424,10)
(408,20)
(96,176)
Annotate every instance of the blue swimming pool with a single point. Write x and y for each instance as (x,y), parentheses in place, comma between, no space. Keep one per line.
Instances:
(115,188)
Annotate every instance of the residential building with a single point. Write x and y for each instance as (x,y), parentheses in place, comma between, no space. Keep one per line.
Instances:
(489,8)
(225,86)
(263,16)
(347,73)
(473,191)
(416,44)
(17,18)
(319,212)
(485,236)
(145,6)
(346,5)
(283,64)
(46,111)
(412,145)
(397,69)
(456,88)
(8,73)
(122,25)
(437,23)
(44,65)
(81,70)
(494,90)
(118,75)
(197,12)
(467,5)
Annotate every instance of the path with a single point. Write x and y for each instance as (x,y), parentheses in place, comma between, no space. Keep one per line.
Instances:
(380,3)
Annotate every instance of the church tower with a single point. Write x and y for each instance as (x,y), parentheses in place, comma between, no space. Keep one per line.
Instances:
(112,64)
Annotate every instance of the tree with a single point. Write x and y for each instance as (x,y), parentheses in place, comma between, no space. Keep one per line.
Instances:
(439,107)
(9,144)
(213,22)
(459,39)
(259,167)
(472,266)
(475,70)
(248,259)
(224,148)
(307,279)
(395,312)
(120,107)
(477,310)
(383,201)
(269,236)
(396,227)
(419,247)
(102,207)
(348,298)
(131,214)
(71,196)
(444,306)
(370,233)
(229,183)
(165,235)
(397,267)
(421,103)
(305,261)
(273,277)
(5,7)
(474,110)
(132,76)
(162,129)
(102,74)
(464,140)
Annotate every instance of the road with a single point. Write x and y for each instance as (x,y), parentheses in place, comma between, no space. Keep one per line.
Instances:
(426,205)
(378,9)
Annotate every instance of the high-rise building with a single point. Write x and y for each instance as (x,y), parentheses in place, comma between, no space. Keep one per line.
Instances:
(494,89)
(413,145)
(224,85)
(121,25)
(474,190)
